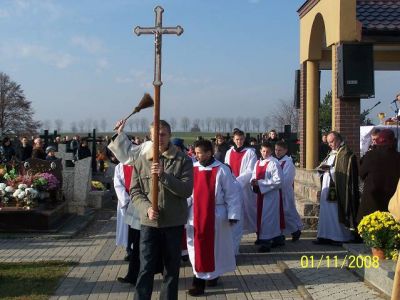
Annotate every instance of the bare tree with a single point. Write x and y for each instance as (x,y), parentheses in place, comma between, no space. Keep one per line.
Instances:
(89,124)
(46,124)
(224,122)
(81,126)
(172,123)
(217,124)
(285,114)
(209,123)
(239,122)
(185,123)
(201,124)
(255,123)
(246,124)
(74,127)
(144,124)
(103,125)
(58,124)
(16,114)
(95,124)
(196,123)
(231,124)
(266,123)
(137,124)
(130,125)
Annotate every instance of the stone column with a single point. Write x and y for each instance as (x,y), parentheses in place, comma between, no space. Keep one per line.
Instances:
(312,115)
(302,114)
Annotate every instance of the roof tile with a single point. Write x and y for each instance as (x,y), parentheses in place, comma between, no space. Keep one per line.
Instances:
(379,15)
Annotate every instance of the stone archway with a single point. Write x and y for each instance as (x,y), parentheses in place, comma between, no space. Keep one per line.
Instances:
(324,24)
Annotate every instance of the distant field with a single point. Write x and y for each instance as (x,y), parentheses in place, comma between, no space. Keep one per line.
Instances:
(189,137)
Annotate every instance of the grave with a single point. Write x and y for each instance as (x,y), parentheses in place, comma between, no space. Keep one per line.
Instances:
(49,212)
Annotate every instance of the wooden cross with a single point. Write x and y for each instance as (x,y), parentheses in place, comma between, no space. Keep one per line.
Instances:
(158,31)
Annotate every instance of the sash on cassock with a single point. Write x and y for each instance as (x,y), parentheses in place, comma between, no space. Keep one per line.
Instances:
(128,169)
(235,161)
(260,174)
(281,211)
(204,218)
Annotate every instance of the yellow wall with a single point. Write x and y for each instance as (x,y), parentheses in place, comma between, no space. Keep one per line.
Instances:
(339,18)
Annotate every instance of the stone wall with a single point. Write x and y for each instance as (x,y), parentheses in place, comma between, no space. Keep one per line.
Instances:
(307,190)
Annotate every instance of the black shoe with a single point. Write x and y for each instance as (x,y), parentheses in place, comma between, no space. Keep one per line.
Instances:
(257,242)
(322,241)
(126,280)
(212,282)
(185,258)
(264,248)
(196,291)
(198,287)
(278,241)
(336,243)
(296,235)
(127,257)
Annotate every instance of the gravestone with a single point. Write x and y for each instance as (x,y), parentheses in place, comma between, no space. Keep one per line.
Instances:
(81,185)
(67,171)
(66,156)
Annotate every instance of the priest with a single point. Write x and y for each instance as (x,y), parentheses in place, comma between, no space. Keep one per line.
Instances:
(339,198)
(213,208)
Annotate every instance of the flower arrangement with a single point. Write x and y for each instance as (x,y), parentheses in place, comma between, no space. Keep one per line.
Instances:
(97,186)
(11,175)
(380,230)
(23,194)
(6,193)
(45,181)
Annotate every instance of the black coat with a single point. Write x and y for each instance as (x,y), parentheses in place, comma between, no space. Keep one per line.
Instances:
(84,152)
(24,153)
(380,170)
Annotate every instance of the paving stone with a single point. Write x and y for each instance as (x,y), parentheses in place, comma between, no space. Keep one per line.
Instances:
(257,276)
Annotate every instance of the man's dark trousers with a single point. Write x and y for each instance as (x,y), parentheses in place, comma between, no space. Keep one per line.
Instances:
(134,262)
(153,243)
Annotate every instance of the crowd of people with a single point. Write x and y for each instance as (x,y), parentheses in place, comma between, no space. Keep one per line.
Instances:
(215,191)
(352,188)
(210,194)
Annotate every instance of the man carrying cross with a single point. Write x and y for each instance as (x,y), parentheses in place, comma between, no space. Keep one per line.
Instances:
(161,228)
(161,182)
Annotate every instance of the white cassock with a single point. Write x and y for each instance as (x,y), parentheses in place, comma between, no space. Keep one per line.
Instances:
(227,206)
(125,151)
(243,176)
(329,226)
(123,201)
(237,228)
(292,218)
(269,185)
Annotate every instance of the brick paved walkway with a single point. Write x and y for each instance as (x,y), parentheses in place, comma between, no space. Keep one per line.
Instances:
(258,276)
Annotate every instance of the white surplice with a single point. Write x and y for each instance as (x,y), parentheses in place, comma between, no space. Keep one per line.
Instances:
(123,201)
(249,198)
(269,188)
(127,152)
(227,206)
(292,218)
(329,226)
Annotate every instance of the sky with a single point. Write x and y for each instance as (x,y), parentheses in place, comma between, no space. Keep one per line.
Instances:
(79,60)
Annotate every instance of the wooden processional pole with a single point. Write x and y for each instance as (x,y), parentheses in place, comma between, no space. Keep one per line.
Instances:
(158,31)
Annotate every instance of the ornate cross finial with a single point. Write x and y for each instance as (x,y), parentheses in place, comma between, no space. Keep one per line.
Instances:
(158,31)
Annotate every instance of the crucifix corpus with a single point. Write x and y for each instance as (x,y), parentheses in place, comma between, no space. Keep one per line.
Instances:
(158,32)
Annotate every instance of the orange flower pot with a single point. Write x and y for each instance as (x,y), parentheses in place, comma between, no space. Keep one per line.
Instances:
(380,253)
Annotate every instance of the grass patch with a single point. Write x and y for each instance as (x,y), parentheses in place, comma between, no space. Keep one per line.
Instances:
(31,280)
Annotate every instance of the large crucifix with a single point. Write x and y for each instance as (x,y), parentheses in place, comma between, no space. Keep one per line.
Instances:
(158,31)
